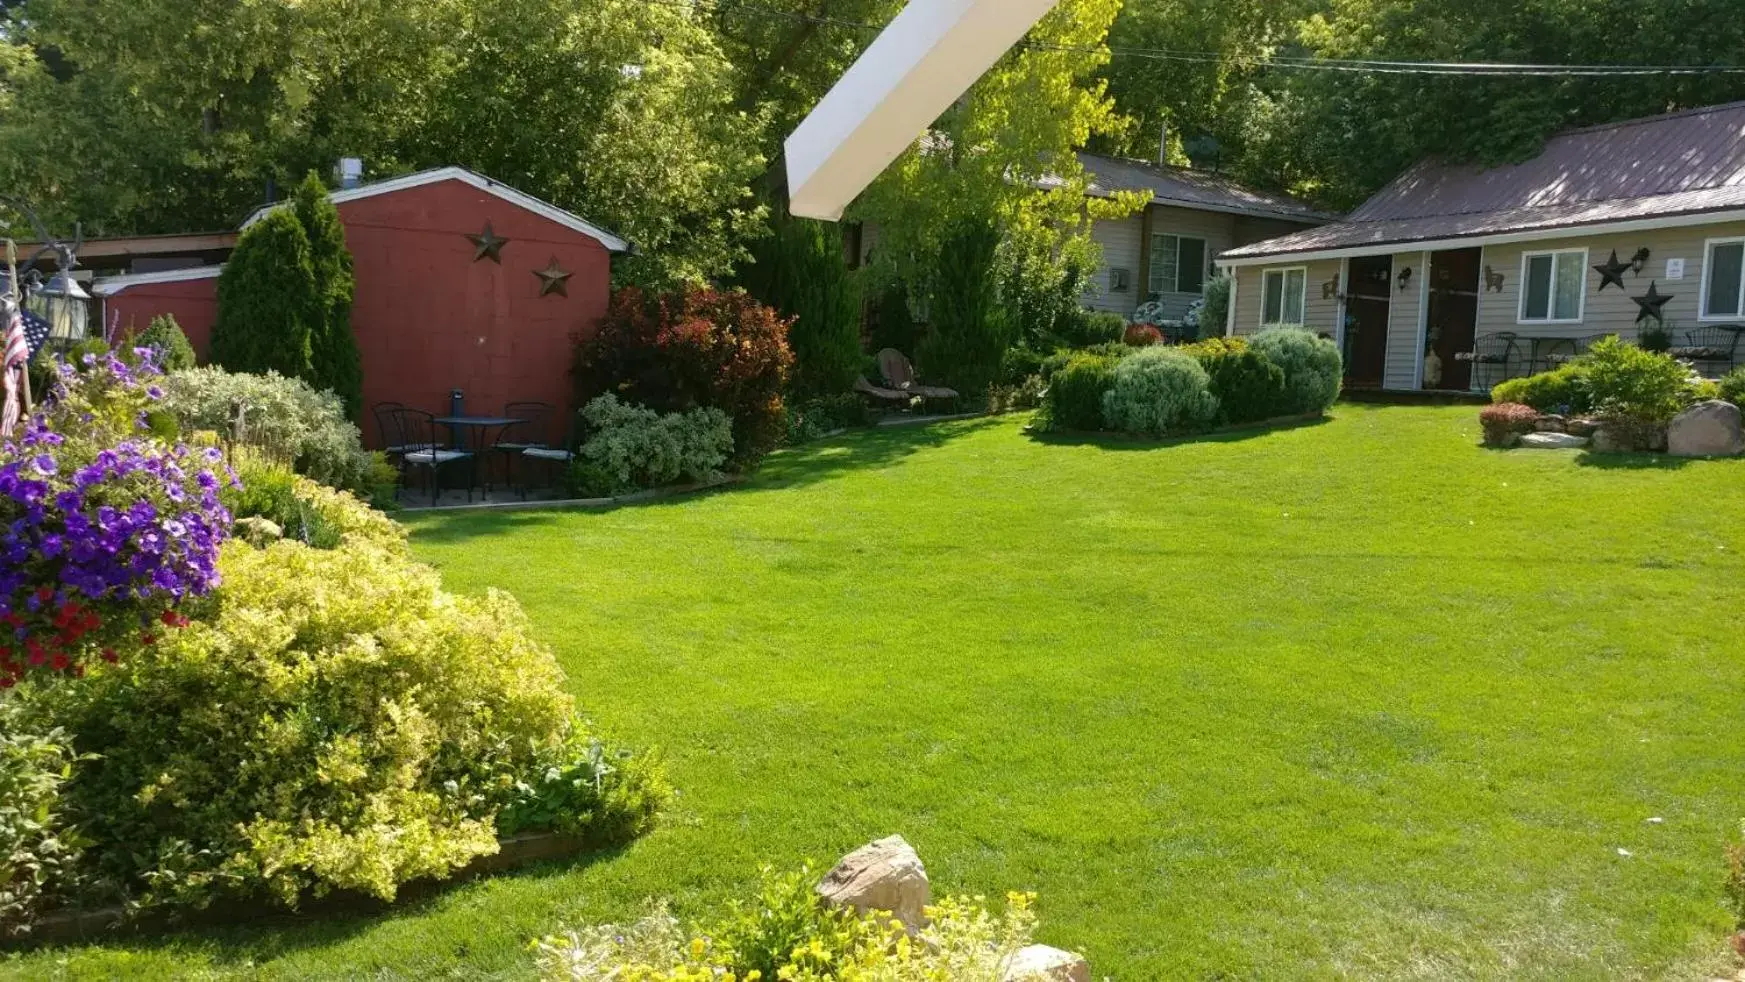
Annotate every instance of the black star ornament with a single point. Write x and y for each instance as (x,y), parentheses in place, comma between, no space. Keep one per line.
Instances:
(553,279)
(1612,271)
(488,245)
(1652,305)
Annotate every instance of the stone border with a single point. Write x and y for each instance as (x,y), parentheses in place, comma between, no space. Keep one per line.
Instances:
(86,925)
(634,498)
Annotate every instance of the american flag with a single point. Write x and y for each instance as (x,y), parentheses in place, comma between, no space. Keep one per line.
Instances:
(25,334)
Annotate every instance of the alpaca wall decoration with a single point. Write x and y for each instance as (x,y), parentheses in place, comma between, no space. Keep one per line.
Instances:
(1493,280)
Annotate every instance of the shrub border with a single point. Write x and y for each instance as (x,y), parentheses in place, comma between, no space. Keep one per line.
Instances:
(1271,423)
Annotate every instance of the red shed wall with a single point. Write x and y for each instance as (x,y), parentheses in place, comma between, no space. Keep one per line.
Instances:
(429,318)
(194,304)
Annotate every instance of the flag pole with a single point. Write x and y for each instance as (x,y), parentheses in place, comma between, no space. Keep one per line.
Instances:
(15,295)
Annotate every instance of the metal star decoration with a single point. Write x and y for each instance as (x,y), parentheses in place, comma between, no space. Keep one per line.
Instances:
(553,279)
(1612,271)
(488,245)
(1652,304)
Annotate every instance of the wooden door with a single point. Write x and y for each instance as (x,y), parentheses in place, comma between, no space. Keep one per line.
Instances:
(1368,298)
(1453,317)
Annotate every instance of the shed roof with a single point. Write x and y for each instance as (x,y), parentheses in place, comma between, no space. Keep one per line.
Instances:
(1185,188)
(1679,168)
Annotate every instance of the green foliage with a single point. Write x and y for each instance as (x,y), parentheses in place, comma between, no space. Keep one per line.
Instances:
(1248,386)
(1216,312)
(334,360)
(694,348)
(893,323)
(39,852)
(283,417)
(1041,296)
(1563,390)
(969,330)
(269,490)
(1312,366)
(1159,392)
(267,314)
(1093,327)
(333,720)
(165,336)
(786,923)
(583,788)
(813,419)
(1628,383)
(800,271)
(1732,387)
(640,448)
(1074,400)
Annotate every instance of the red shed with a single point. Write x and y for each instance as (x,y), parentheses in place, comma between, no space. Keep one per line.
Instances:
(462,283)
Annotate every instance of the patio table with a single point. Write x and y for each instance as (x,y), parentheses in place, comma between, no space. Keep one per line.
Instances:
(481,425)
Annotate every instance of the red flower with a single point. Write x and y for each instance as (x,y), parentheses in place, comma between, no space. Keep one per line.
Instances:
(109,655)
(60,663)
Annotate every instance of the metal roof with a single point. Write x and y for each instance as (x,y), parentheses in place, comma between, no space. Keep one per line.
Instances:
(1680,164)
(1184,188)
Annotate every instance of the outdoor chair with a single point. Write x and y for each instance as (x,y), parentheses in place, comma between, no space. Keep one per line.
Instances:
(517,438)
(878,394)
(900,375)
(561,455)
(414,431)
(1491,356)
(383,411)
(1715,345)
(1581,346)
(1543,354)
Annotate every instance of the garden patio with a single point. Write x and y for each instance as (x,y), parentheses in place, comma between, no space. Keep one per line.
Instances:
(1355,698)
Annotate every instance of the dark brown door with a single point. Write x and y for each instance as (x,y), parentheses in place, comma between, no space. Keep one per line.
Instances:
(1453,317)
(1367,298)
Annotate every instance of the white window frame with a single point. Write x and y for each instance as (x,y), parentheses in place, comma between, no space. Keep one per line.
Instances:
(1521,317)
(1708,264)
(1205,257)
(1283,272)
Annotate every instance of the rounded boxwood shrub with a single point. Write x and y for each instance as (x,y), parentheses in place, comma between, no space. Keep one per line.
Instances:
(1093,327)
(1248,386)
(1074,399)
(1312,366)
(1732,387)
(1160,391)
(165,336)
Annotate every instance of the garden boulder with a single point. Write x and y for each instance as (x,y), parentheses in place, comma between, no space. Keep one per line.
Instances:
(885,875)
(1707,429)
(1040,962)
(1552,441)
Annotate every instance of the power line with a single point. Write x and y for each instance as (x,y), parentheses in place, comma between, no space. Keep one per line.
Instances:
(1295,63)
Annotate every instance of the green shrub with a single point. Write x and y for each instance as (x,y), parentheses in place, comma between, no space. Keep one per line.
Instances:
(1160,391)
(641,448)
(331,720)
(284,417)
(1074,400)
(308,512)
(165,336)
(816,417)
(1089,328)
(970,330)
(1626,382)
(1216,312)
(1732,387)
(1247,385)
(39,853)
(267,300)
(334,361)
(1312,366)
(1563,390)
(893,325)
(800,271)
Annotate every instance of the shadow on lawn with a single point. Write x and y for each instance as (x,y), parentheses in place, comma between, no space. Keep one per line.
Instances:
(277,933)
(1123,441)
(1633,461)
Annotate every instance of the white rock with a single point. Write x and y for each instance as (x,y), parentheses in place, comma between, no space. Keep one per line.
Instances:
(1040,963)
(1552,441)
(885,875)
(1707,429)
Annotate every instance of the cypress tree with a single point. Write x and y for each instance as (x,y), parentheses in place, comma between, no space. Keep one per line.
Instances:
(266,298)
(801,272)
(334,354)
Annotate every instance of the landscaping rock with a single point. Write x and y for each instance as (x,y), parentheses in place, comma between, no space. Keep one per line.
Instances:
(1581,427)
(1707,429)
(1624,437)
(1551,424)
(885,875)
(259,531)
(1552,441)
(1039,961)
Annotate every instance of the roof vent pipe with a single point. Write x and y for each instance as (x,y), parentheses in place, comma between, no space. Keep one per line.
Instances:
(1163,146)
(351,172)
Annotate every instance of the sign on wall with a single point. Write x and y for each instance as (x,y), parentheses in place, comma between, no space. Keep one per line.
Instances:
(1675,269)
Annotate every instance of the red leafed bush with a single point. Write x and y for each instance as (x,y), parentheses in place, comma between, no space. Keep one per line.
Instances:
(693,348)
(1505,420)
(1142,335)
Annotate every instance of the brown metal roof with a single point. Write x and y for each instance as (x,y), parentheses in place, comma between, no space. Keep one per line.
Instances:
(1184,188)
(1682,163)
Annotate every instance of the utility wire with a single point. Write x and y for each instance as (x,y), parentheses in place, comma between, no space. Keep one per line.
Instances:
(1297,63)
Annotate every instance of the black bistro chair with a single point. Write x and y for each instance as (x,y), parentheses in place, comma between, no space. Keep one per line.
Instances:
(1544,354)
(1491,357)
(517,438)
(560,456)
(384,411)
(1715,345)
(414,432)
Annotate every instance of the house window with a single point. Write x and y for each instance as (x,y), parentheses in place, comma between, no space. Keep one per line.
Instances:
(1282,296)
(1724,278)
(1552,286)
(1120,280)
(1178,264)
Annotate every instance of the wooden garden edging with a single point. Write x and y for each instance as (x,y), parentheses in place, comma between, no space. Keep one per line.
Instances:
(81,925)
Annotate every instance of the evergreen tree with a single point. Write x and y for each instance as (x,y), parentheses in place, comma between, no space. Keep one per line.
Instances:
(164,334)
(970,330)
(801,272)
(267,299)
(333,346)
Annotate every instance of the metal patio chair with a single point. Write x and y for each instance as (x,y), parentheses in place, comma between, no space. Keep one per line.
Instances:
(1491,356)
(414,431)
(516,438)
(561,455)
(1717,344)
(1544,354)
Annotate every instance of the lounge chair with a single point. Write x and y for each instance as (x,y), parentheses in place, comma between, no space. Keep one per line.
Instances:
(900,375)
(878,394)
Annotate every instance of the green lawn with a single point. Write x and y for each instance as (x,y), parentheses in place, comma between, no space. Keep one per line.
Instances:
(1356,699)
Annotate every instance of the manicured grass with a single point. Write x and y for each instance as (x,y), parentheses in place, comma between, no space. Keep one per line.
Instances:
(1352,699)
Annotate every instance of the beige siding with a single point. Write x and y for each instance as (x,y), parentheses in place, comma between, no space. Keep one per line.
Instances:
(1611,312)
(1120,244)
(1320,303)
(1406,322)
